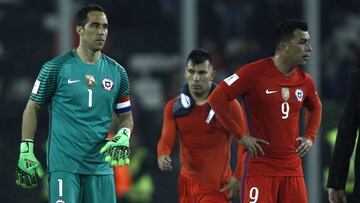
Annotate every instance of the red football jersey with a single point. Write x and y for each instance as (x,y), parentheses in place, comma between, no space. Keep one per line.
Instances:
(204,147)
(273,102)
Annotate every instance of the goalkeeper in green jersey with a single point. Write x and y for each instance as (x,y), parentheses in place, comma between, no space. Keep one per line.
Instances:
(83,89)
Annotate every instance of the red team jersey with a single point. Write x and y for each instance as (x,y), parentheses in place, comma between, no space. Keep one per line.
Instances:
(273,102)
(204,147)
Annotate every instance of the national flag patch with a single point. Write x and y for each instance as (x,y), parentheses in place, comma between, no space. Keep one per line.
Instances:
(123,105)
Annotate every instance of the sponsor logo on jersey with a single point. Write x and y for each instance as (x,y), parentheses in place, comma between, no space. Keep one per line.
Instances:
(285,93)
(107,84)
(270,91)
(60,201)
(72,81)
(299,94)
(231,79)
(90,80)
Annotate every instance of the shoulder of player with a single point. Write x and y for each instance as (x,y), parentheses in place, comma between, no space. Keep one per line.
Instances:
(304,75)
(168,109)
(171,102)
(58,61)
(255,66)
(112,62)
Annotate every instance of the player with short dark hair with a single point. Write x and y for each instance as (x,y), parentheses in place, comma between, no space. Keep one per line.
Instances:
(274,91)
(205,174)
(83,89)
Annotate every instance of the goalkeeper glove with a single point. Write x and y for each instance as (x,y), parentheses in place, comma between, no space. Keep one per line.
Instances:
(28,166)
(117,149)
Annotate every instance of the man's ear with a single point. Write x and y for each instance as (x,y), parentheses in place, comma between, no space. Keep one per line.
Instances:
(283,45)
(213,75)
(79,30)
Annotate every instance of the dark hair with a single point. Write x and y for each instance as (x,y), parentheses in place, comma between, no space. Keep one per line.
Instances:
(81,15)
(285,30)
(198,56)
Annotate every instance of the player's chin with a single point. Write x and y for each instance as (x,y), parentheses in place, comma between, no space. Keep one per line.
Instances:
(302,63)
(198,92)
(98,48)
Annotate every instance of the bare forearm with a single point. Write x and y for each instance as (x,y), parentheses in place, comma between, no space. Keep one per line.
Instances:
(125,120)
(29,120)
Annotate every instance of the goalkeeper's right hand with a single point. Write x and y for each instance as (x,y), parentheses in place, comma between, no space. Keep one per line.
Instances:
(28,166)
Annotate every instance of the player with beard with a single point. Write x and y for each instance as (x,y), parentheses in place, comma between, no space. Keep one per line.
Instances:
(274,91)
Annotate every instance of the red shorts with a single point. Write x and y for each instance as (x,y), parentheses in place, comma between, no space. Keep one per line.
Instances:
(261,189)
(191,191)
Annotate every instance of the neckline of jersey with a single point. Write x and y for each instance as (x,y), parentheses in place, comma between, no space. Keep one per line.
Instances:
(78,59)
(272,65)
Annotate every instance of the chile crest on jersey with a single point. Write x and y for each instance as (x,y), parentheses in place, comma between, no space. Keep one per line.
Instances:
(299,94)
(107,84)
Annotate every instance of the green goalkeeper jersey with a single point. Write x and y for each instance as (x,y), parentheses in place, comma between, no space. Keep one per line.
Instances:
(81,99)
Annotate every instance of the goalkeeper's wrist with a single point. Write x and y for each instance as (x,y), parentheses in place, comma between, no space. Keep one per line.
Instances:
(27,146)
(124,131)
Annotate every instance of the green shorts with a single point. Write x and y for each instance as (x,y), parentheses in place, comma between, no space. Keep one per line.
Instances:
(76,188)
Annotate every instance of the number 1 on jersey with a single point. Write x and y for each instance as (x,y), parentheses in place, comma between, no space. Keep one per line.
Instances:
(90,98)
(60,187)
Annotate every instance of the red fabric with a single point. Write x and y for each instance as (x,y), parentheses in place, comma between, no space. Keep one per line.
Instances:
(204,148)
(123,99)
(240,164)
(123,180)
(191,191)
(221,105)
(273,109)
(275,189)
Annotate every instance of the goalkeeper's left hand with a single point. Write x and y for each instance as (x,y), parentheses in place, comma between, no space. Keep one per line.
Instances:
(117,149)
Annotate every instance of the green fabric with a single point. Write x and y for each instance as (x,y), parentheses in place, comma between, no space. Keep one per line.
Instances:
(80,112)
(29,168)
(117,149)
(76,188)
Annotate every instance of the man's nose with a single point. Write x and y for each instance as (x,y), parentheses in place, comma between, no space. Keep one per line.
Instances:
(196,76)
(101,30)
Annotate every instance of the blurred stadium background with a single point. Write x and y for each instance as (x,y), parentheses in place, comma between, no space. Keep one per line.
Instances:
(151,39)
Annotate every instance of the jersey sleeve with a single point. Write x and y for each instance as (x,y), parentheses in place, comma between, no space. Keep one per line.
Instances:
(168,134)
(221,98)
(240,162)
(238,114)
(123,100)
(124,84)
(313,108)
(239,83)
(46,83)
